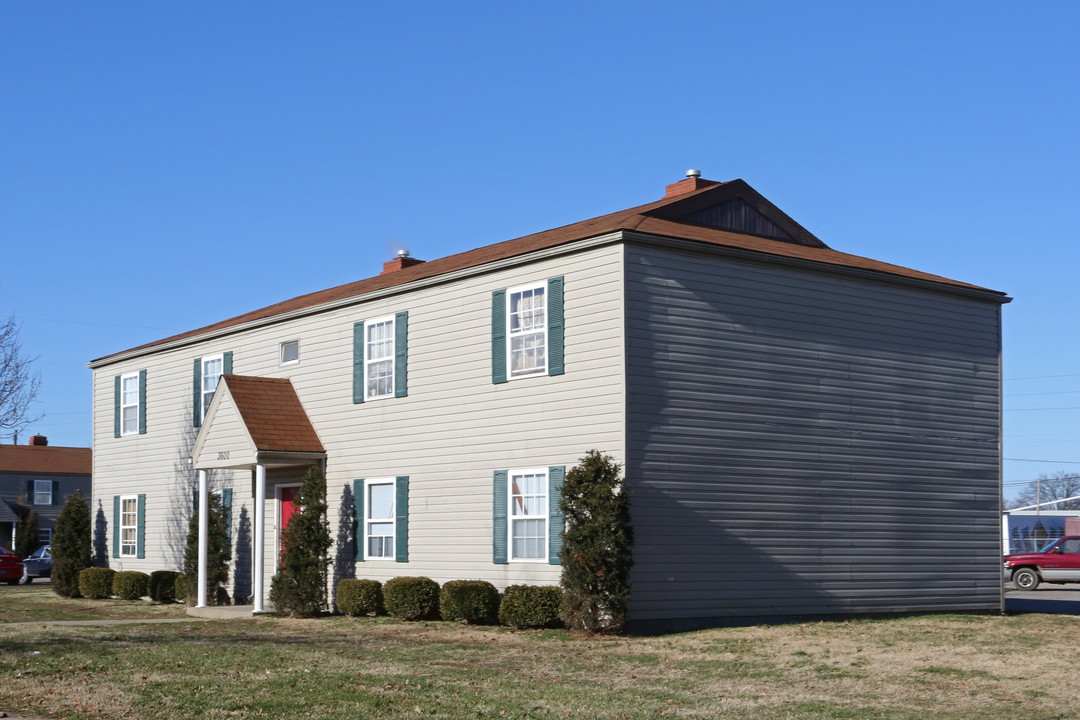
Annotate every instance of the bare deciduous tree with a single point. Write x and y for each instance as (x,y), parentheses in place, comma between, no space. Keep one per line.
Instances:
(1058,486)
(18,383)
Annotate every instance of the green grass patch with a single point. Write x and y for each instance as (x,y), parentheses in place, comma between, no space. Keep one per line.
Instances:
(38,603)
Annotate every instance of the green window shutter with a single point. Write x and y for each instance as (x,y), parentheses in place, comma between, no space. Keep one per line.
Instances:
(226,363)
(226,503)
(401,519)
(358,362)
(55,492)
(556,521)
(140,533)
(555,326)
(401,354)
(116,526)
(358,518)
(116,406)
(196,405)
(499,529)
(142,402)
(498,336)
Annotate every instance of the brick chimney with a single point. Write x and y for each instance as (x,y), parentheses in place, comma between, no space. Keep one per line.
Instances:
(39,440)
(401,262)
(692,182)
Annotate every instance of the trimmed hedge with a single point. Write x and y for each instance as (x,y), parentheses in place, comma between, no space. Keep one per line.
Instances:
(96,582)
(531,606)
(162,586)
(130,584)
(412,598)
(471,601)
(360,597)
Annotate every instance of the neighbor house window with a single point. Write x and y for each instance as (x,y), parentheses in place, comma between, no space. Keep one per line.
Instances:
(45,536)
(129,526)
(379,514)
(526,325)
(379,358)
(129,404)
(290,352)
(43,492)
(528,515)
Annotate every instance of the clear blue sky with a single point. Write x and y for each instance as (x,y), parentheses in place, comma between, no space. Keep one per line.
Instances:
(167,165)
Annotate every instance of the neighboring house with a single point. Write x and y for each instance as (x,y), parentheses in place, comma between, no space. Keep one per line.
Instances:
(804,432)
(42,476)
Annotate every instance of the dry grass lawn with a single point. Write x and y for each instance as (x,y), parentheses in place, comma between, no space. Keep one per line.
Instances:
(919,667)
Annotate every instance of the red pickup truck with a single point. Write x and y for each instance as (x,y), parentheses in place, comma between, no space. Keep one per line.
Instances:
(1058,562)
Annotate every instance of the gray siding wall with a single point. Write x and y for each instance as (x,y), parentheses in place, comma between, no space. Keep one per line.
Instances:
(800,443)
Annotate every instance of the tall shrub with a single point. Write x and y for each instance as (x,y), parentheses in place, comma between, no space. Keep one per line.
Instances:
(27,531)
(71,545)
(300,588)
(597,541)
(218,549)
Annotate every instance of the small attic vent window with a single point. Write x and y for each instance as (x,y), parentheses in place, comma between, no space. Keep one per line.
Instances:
(290,352)
(735,215)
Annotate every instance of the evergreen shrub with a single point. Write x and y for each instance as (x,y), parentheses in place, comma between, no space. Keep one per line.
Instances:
(531,606)
(27,531)
(360,597)
(300,588)
(71,545)
(130,584)
(595,554)
(180,588)
(218,552)
(96,582)
(471,601)
(412,598)
(163,586)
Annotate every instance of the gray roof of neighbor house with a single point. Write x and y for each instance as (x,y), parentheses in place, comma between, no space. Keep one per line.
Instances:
(728,215)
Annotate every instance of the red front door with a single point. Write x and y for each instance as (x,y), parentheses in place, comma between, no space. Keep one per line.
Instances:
(289,507)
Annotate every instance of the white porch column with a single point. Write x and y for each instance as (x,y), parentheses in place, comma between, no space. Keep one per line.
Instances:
(204,524)
(260,534)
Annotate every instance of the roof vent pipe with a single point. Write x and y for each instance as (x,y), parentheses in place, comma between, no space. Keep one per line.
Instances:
(692,173)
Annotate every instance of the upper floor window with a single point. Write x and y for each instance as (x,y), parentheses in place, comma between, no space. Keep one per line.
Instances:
(129,404)
(527,331)
(290,352)
(43,492)
(208,372)
(380,358)
(526,315)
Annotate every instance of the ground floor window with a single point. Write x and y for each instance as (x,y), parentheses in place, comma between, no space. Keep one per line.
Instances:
(379,511)
(45,536)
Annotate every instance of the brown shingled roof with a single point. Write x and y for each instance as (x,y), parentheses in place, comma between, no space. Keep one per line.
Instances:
(46,459)
(656,218)
(273,414)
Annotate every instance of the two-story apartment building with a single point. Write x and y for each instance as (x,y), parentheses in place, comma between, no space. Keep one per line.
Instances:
(805,432)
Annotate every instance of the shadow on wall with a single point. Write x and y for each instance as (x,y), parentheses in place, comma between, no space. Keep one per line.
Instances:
(345,553)
(242,559)
(101,538)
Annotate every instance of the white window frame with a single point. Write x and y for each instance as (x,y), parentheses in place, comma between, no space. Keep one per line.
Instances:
(126,406)
(281,353)
(512,518)
(368,362)
(47,484)
(368,520)
(129,549)
(511,334)
(203,393)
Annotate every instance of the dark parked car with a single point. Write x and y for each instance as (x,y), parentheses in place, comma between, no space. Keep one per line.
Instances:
(38,564)
(11,567)
(1057,562)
